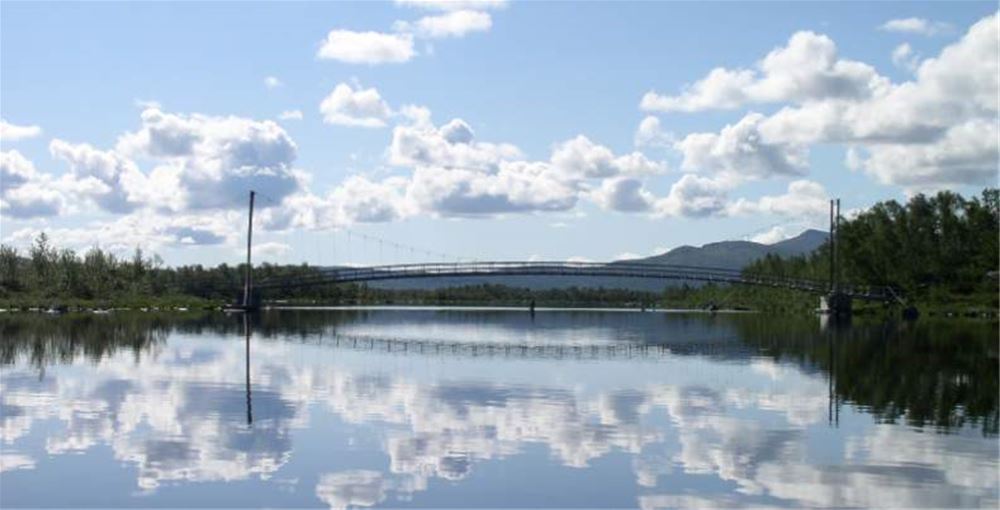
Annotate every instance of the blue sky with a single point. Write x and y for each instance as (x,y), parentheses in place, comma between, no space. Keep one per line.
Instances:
(489,130)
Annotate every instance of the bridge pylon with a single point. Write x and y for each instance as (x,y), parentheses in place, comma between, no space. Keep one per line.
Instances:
(836,302)
(250,300)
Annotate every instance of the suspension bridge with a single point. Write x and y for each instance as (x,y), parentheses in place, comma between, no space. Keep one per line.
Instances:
(557,268)
(836,296)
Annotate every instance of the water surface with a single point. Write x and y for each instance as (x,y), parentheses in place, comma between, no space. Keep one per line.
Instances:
(495,408)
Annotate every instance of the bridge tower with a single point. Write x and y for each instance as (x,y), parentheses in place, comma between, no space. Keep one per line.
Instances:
(250,301)
(836,302)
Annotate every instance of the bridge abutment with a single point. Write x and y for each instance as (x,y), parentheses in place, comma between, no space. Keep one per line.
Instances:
(242,303)
(836,303)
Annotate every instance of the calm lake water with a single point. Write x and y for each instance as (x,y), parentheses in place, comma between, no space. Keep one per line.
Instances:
(494,408)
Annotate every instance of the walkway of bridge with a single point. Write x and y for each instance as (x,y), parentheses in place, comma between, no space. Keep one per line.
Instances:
(584,269)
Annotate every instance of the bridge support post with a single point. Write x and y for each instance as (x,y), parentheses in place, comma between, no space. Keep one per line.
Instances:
(836,304)
(250,300)
(247,302)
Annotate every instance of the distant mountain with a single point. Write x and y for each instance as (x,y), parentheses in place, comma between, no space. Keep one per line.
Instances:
(737,254)
(726,254)
(806,242)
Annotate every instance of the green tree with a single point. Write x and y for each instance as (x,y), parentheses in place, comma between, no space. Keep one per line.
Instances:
(10,272)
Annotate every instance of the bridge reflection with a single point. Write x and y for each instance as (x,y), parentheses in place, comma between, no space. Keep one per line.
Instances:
(626,350)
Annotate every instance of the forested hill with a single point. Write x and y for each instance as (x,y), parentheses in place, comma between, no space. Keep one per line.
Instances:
(738,254)
(938,249)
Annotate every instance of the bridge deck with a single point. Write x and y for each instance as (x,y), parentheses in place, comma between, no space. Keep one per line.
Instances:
(587,269)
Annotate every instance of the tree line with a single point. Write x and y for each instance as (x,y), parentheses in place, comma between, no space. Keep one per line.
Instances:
(936,249)
(45,276)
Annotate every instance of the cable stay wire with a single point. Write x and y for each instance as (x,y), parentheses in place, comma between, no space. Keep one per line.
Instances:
(375,240)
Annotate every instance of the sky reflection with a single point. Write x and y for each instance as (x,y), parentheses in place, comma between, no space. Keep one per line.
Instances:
(355,427)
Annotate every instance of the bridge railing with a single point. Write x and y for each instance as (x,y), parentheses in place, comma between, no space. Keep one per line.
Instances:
(495,268)
(564,268)
(661,271)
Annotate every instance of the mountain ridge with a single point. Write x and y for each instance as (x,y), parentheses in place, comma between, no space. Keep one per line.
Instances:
(737,254)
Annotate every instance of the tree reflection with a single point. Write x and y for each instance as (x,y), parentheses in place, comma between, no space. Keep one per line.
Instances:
(931,373)
(46,340)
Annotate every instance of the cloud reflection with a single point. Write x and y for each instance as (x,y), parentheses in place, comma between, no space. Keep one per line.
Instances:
(756,429)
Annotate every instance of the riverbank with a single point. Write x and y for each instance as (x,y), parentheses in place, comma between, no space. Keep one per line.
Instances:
(861,309)
(707,297)
(38,304)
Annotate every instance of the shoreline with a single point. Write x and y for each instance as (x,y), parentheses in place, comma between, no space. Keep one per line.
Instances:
(937,312)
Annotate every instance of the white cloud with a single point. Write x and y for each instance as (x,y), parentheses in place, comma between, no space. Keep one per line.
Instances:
(451,24)
(418,116)
(927,122)
(651,134)
(148,229)
(958,85)
(454,174)
(270,250)
(12,132)
(208,162)
(627,256)
(511,187)
(361,200)
(903,56)
(113,182)
(804,200)
(517,186)
(624,194)
(26,193)
(15,170)
(807,68)
(349,107)
(772,235)
(919,26)
(454,5)
(451,146)
(694,196)
(740,151)
(968,153)
(290,115)
(366,47)
(918,134)
(721,89)
(32,200)
(457,131)
(355,200)
(272,82)
(579,157)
